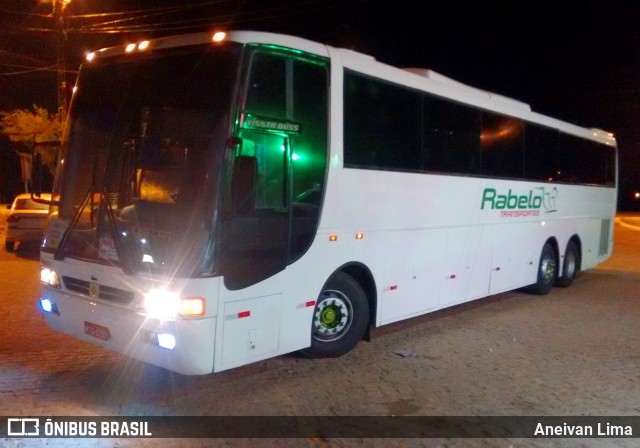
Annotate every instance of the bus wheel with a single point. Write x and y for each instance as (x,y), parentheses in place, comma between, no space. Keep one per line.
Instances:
(547,271)
(340,318)
(569,265)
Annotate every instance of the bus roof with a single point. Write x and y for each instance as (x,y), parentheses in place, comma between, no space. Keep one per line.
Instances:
(418,78)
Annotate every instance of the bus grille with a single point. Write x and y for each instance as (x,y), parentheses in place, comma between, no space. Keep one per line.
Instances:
(603,249)
(105,292)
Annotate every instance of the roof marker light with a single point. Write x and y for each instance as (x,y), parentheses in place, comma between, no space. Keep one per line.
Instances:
(333,237)
(219,36)
(359,235)
(143,45)
(130,48)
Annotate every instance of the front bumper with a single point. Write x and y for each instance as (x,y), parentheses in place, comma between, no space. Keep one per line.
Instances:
(133,334)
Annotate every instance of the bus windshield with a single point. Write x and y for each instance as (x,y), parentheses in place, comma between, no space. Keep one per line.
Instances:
(139,176)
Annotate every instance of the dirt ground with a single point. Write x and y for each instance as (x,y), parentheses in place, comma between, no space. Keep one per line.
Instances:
(575,351)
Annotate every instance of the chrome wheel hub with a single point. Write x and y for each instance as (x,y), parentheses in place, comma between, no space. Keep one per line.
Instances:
(332,317)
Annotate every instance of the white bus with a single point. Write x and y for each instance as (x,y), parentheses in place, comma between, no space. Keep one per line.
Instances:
(227,198)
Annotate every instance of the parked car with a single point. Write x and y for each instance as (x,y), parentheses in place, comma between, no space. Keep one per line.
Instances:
(26,220)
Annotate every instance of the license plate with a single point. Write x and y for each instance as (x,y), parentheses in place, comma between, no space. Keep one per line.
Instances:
(97,331)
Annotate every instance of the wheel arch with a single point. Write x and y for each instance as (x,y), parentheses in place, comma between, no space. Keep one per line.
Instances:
(578,242)
(555,246)
(362,274)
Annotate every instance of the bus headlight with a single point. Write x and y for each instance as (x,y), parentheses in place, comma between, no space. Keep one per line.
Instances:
(49,277)
(164,304)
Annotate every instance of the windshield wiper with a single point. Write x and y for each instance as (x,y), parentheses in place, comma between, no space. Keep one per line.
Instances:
(60,250)
(104,209)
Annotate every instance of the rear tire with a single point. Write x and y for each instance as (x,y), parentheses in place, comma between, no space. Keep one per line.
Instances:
(547,271)
(340,318)
(570,265)
(10,246)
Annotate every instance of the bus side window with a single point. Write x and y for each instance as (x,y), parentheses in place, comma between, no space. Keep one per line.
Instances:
(277,178)
(254,241)
(502,143)
(452,137)
(244,184)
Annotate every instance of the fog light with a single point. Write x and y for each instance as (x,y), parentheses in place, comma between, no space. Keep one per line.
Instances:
(166,340)
(48,306)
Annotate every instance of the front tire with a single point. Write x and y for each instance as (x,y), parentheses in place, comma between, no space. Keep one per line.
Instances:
(547,271)
(570,265)
(340,318)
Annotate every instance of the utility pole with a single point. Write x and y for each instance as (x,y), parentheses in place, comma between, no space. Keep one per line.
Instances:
(59,7)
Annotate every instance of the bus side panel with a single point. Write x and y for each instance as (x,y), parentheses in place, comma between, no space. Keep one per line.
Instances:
(467,264)
(515,255)
(413,273)
(274,316)
(251,328)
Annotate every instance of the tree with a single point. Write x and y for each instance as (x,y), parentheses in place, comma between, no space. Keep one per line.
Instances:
(34,128)
(31,126)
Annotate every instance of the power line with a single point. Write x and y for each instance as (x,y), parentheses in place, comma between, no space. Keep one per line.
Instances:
(144,16)
(22,13)
(20,29)
(166,8)
(23,57)
(29,68)
(248,16)
(51,68)
(225,19)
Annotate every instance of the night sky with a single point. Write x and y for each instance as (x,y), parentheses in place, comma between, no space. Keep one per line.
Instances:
(577,61)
